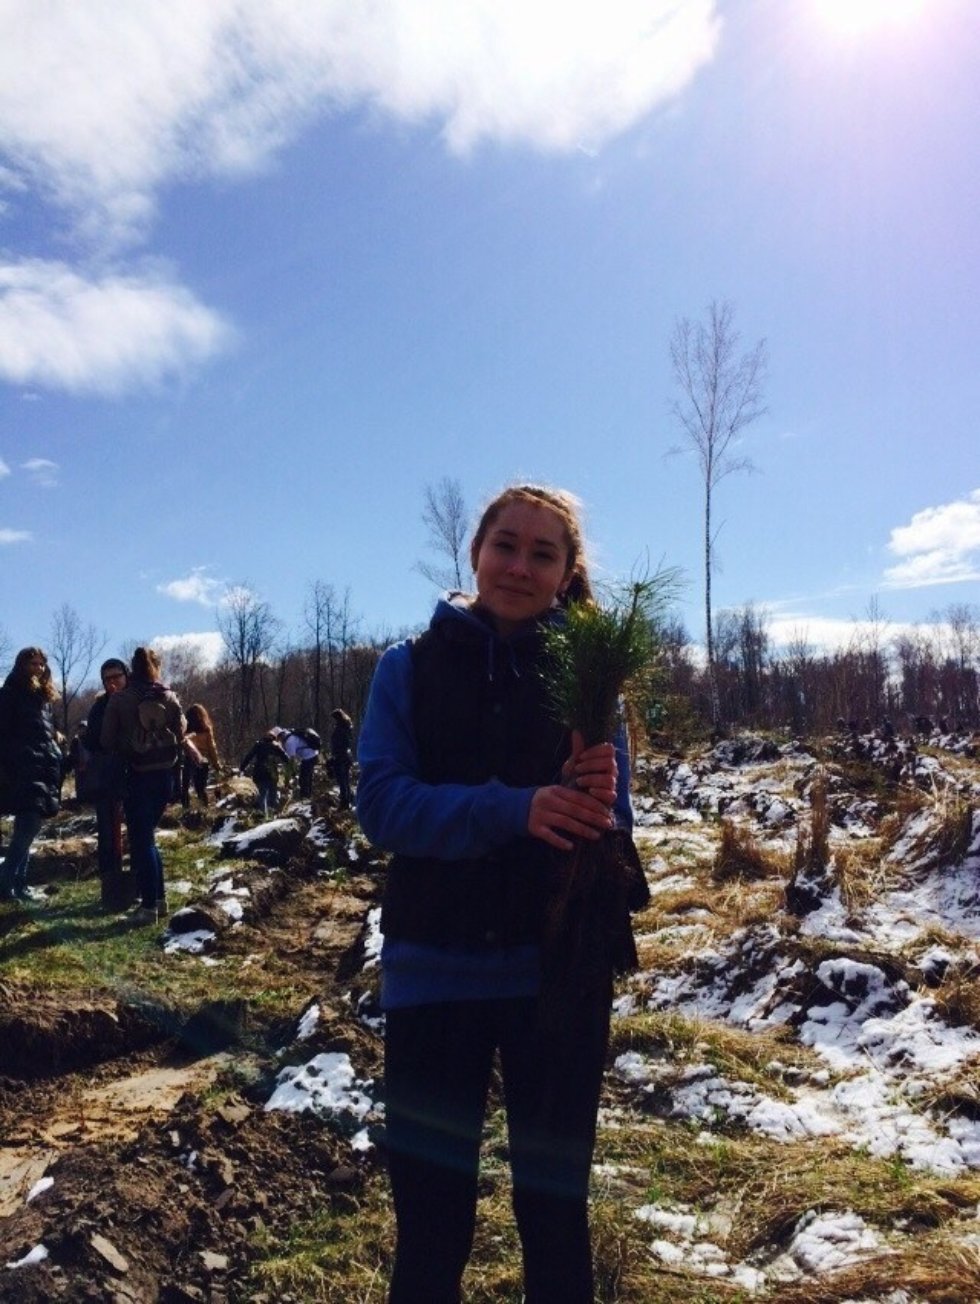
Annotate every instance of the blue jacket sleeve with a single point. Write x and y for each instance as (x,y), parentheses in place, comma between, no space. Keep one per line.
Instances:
(396,809)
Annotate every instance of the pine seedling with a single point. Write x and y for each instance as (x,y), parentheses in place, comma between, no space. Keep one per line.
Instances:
(604,652)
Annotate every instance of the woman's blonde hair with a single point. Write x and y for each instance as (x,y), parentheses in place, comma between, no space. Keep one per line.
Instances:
(567,508)
(146,664)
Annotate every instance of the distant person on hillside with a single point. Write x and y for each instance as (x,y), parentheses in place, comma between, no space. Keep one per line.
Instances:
(30,763)
(144,724)
(265,758)
(303,747)
(341,758)
(200,753)
(102,781)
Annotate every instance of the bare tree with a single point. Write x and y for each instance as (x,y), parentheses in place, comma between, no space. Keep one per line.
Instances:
(72,648)
(721,392)
(248,629)
(315,619)
(444,515)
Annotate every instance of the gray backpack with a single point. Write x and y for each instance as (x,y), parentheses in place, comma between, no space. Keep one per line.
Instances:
(153,745)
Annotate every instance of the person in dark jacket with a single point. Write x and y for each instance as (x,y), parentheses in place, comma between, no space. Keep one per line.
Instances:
(30,763)
(468,778)
(107,794)
(144,725)
(341,745)
(266,757)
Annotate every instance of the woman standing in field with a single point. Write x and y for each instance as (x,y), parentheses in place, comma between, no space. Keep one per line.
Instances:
(200,753)
(144,724)
(468,778)
(30,763)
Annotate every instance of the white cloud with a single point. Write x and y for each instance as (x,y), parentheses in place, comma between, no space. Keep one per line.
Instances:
(100,105)
(196,587)
(826,634)
(940,545)
(4,468)
(43,471)
(15,536)
(83,335)
(206,649)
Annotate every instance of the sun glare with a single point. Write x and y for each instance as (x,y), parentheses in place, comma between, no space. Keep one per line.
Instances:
(856,17)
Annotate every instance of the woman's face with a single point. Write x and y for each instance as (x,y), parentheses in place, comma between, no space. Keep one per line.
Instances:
(522,564)
(36,666)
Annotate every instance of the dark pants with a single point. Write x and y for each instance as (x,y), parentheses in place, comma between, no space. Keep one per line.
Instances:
(341,770)
(438,1061)
(13,868)
(195,776)
(116,886)
(147,797)
(306,769)
(268,792)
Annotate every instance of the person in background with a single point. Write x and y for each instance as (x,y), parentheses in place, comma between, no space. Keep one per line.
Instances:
(200,753)
(30,763)
(341,747)
(302,746)
(103,782)
(469,779)
(144,724)
(265,757)
(76,758)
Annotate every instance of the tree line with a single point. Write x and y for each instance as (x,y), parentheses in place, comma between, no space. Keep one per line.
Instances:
(269,676)
(928,672)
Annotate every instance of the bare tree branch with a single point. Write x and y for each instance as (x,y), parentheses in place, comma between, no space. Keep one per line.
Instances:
(444,515)
(72,650)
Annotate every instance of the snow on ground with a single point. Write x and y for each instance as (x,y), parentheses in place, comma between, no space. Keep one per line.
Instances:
(327,1086)
(886,1049)
(823,1242)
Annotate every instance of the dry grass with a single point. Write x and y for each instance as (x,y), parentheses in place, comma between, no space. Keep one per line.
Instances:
(937,1269)
(741,858)
(812,851)
(860,873)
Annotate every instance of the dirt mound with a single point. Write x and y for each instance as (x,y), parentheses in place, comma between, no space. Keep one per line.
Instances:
(42,1036)
(169,1216)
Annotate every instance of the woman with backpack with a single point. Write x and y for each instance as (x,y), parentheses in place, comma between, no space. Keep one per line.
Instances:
(145,726)
(30,763)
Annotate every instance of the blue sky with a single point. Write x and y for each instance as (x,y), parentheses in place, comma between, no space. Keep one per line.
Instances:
(268,269)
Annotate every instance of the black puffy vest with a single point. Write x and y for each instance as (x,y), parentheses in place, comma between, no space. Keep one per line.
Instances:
(479,713)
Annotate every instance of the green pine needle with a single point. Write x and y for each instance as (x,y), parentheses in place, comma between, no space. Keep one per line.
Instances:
(605,651)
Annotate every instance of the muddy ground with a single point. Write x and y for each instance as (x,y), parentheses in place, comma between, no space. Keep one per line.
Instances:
(160,1165)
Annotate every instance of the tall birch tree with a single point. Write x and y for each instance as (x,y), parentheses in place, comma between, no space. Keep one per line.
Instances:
(720,393)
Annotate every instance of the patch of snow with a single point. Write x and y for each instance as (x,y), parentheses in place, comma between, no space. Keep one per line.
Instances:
(374,939)
(326,1085)
(37,1255)
(40,1186)
(308,1022)
(194,943)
